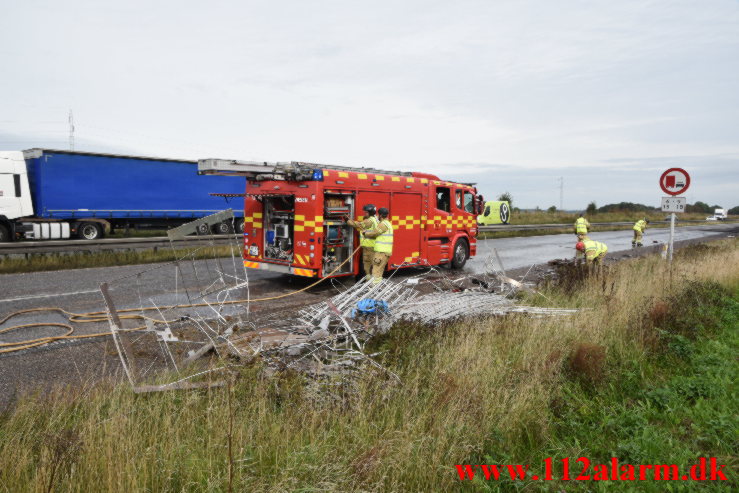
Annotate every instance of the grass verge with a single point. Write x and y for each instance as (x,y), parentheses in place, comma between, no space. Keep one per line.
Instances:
(646,372)
(544,217)
(53,261)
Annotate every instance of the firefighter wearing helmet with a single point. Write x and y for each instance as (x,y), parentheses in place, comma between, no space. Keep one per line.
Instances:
(594,251)
(639,227)
(383,235)
(369,222)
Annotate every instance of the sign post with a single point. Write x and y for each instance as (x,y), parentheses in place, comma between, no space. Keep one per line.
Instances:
(673,182)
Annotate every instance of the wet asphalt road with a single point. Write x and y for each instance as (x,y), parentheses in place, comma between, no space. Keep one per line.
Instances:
(162,284)
(516,253)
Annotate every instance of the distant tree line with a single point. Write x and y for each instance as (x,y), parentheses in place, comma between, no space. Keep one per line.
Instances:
(701,207)
(626,206)
(592,207)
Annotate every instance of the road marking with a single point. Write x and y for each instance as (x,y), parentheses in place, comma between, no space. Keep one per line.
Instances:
(22,298)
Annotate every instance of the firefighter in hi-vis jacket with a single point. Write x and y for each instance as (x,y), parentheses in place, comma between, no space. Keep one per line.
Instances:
(581,228)
(369,222)
(593,251)
(383,235)
(639,228)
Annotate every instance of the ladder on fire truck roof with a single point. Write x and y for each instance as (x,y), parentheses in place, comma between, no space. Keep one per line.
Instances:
(251,169)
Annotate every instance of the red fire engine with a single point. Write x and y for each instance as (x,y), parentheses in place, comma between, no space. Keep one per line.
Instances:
(294,216)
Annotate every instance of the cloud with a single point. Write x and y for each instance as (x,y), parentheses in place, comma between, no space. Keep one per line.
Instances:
(552,88)
(713,179)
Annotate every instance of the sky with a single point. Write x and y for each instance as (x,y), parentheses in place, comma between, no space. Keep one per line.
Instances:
(513,95)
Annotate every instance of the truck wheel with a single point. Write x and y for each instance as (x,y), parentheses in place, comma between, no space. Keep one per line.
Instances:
(4,233)
(223,228)
(90,231)
(239,226)
(461,253)
(202,229)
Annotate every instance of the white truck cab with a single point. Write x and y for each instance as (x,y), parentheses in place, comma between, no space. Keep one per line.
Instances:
(15,192)
(16,204)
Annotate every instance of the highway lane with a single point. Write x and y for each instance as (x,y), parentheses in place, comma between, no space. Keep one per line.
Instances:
(525,251)
(130,286)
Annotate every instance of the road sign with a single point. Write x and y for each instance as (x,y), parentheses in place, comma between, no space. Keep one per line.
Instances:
(674,181)
(674,204)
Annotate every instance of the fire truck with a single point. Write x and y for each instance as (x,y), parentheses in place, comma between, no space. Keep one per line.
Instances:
(294,216)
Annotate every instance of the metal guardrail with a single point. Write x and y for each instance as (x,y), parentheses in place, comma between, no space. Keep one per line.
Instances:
(25,248)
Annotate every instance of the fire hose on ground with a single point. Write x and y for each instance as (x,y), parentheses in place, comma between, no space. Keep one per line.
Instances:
(125,314)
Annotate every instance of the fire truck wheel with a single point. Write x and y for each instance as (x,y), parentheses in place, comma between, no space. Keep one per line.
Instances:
(461,254)
(90,231)
(223,228)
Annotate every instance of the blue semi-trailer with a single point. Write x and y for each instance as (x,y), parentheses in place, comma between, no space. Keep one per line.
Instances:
(52,194)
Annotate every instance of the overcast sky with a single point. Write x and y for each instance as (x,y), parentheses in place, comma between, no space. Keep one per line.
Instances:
(512,95)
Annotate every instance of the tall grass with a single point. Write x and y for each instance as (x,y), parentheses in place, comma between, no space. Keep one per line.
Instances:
(467,390)
(558,217)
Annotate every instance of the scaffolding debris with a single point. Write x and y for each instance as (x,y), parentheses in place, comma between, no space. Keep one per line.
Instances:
(322,340)
(185,321)
(435,308)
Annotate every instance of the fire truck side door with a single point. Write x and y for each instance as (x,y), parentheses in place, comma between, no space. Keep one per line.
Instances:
(405,215)
(439,216)
(378,199)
